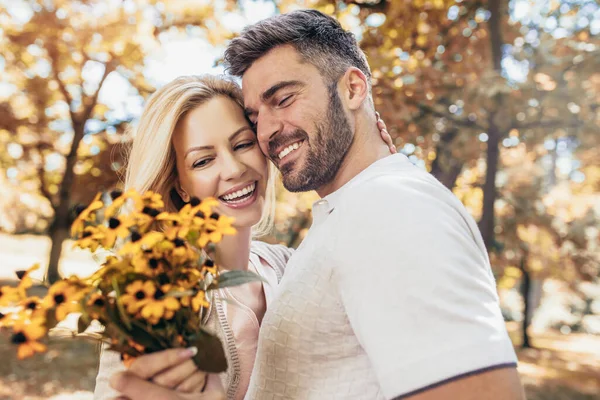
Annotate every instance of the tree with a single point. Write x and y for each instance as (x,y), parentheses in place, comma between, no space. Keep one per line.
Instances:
(58,56)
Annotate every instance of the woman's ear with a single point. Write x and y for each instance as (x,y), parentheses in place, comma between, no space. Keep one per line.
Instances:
(182,193)
(355,86)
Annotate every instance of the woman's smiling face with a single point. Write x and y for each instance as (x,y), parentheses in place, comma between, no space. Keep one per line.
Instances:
(217,155)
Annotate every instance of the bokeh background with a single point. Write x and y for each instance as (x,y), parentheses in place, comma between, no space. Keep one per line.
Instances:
(498,99)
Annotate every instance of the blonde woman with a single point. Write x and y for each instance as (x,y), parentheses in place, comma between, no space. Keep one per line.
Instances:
(193,140)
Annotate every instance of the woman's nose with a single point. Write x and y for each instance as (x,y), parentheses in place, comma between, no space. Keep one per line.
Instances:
(233,168)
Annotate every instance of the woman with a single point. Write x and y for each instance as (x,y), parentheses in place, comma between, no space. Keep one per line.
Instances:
(193,140)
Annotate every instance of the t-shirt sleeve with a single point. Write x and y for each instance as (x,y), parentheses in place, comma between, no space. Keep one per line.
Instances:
(416,285)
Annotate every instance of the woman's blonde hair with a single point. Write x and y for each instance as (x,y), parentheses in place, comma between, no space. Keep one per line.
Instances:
(151,158)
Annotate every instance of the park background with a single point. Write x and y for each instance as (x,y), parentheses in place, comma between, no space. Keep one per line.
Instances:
(498,99)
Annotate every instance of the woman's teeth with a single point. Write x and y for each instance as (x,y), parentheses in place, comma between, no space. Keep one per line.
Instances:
(289,149)
(245,192)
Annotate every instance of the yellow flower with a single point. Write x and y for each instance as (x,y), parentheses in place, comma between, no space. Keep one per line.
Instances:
(215,229)
(117,227)
(25,279)
(91,237)
(96,304)
(137,295)
(118,200)
(87,215)
(210,267)
(149,201)
(147,264)
(160,306)
(199,301)
(8,295)
(137,242)
(63,295)
(175,225)
(26,334)
(31,305)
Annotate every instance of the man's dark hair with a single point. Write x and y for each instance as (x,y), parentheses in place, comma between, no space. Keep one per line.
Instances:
(318,38)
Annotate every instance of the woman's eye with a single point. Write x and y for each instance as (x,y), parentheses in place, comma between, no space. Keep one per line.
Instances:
(285,101)
(244,145)
(201,163)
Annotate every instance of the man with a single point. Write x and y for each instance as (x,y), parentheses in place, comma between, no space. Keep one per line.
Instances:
(390,295)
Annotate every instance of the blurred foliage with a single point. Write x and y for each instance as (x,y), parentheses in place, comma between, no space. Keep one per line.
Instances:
(499,100)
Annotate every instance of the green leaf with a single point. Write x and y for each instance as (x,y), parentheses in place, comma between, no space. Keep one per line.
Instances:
(236,278)
(122,312)
(211,356)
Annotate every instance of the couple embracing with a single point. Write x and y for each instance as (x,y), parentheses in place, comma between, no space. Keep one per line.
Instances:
(389,296)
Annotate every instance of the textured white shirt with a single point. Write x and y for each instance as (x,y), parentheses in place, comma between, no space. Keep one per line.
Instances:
(390,293)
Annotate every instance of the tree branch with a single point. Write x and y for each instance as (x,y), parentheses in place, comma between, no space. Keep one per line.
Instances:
(547,124)
(92,100)
(457,121)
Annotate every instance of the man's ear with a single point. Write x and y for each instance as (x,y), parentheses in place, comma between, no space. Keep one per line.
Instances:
(355,88)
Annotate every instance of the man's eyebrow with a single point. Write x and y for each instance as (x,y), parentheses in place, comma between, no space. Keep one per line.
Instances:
(270,92)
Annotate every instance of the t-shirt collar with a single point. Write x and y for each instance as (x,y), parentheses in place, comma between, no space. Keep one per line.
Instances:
(323,207)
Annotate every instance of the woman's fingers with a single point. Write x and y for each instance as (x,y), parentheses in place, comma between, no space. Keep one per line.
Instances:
(175,376)
(150,365)
(385,135)
(193,383)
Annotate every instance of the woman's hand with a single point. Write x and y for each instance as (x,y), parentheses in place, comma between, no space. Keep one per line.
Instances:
(385,134)
(171,369)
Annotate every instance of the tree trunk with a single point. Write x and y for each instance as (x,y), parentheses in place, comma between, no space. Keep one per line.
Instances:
(59,231)
(445,167)
(486,224)
(58,234)
(525,292)
(487,221)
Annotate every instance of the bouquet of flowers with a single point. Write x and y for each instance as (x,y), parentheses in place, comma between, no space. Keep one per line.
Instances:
(150,294)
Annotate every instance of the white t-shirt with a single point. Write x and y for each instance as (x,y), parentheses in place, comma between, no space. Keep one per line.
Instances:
(390,293)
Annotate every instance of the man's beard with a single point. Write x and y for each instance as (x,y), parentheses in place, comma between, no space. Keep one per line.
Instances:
(325,152)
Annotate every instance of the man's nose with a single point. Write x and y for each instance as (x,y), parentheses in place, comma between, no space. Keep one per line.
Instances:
(267,127)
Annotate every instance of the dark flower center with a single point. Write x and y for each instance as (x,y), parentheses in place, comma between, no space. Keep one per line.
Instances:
(79,209)
(194,201)
(200,214)
(19,338)
(150,211)
(99,302)
(59,298)
(179,242)
(214,216)
(115,194)
(135,236)
(159,294)
(153,263)
(32,305)
(86,234)
(140,295)
(163,279)
(209,263)
(113,223)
